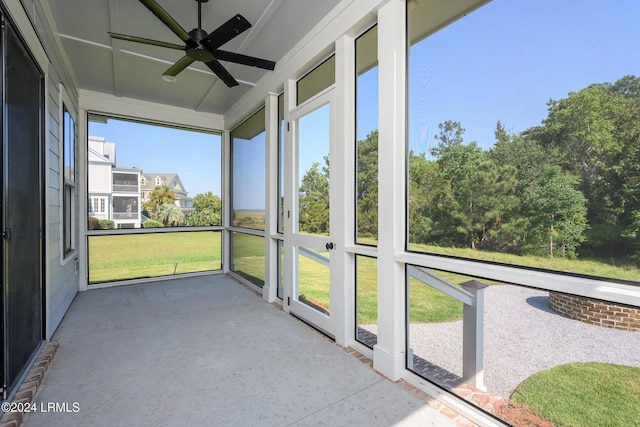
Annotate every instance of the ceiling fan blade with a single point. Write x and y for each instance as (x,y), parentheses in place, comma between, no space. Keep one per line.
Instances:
(182,63)
(222,73)
(239,58)
(227,31)
(167,19)
(145,41)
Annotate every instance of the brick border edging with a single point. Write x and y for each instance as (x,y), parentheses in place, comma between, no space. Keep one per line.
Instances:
(595,312)
(29,386)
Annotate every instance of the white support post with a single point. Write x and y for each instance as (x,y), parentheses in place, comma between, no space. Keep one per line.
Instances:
(226,201)
(290,174)
(342,171)
(270,288)
(472,335)
(389,356)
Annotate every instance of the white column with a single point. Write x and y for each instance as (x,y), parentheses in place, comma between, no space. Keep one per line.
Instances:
(290,174)
(389,353)
(226,201)
(472,335)
(270,288)
(343,194)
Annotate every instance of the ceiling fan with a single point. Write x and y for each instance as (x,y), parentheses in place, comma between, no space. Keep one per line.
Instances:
(200,45)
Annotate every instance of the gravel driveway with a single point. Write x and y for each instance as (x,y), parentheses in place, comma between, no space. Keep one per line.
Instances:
(522,336)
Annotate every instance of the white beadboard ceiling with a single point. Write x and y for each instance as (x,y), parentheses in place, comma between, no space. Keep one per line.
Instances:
(133,70)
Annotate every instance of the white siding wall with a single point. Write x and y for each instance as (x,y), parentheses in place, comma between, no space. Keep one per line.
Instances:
(100,177)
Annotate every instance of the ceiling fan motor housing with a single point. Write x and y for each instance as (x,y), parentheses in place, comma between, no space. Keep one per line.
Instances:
(196,50)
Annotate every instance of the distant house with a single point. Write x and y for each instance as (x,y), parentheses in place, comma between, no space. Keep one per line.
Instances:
(149,181)
(114,192)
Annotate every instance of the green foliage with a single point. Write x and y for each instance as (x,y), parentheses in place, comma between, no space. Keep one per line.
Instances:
(540,191)
(535,193)
(208,211)
(168,214)
(152,223)
(106,224)
(367,185)
(207,202)
(584,395)
(596,131)
(161,195)
(202,218)
(314,200)
(93,223)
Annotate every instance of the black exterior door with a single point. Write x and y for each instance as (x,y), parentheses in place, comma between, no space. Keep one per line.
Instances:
(22,208)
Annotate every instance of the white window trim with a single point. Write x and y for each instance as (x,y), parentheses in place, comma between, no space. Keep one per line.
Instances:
(64,100)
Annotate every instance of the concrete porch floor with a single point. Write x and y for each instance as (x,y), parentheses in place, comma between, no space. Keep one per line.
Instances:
(206,351)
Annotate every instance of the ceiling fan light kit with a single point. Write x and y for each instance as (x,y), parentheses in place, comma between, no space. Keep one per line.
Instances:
(200,45)
(169,79)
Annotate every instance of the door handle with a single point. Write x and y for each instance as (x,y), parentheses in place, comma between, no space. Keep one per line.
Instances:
(329,246)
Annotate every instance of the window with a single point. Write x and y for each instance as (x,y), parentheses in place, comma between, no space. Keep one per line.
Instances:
(69,179)
(367,137)
(247,257)
(127,162)
(248,151)
(520,120)
(281,135)
(511,162)
(366,185)
(97,205)
(318,79)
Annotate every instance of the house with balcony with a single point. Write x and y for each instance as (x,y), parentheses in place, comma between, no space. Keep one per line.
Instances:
(113,191)
(149,181)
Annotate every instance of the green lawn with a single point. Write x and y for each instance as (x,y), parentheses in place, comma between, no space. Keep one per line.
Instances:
(248,257)
(135,256)
(579,266)
(584,395)
(152,255)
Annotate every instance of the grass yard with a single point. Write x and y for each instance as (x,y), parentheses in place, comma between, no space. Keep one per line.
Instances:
(584,395)
(135,256)
(313,282)
(248,257)
(579,266)
(249,219)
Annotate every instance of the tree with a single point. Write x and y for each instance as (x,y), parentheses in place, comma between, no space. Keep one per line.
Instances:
(162,194)
(473,197)
(168,214)
(367,186)
(208,210)
(207,201)
(597,132)
(313,201)
(557,212)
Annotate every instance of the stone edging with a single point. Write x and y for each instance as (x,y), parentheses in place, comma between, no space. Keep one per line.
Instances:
(595,312)
(30,385)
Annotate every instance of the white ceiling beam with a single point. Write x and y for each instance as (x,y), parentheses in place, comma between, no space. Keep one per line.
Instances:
(114,27)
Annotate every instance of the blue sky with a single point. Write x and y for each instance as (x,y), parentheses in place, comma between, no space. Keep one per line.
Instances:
(194,156)
(502,62)
(507,59)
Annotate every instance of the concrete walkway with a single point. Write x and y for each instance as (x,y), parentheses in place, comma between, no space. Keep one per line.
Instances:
(208,352)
